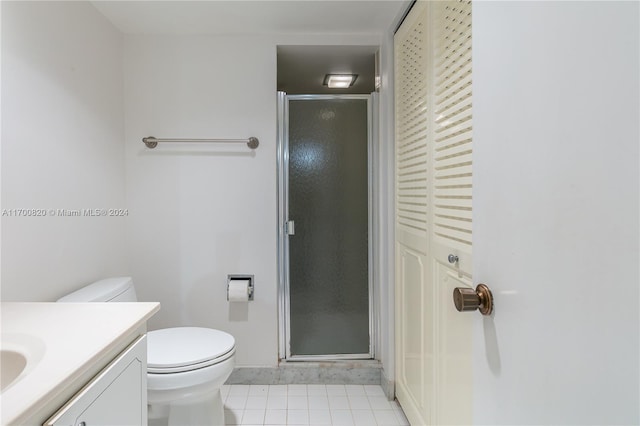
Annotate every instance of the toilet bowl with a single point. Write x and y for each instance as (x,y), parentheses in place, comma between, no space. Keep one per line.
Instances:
(186,366)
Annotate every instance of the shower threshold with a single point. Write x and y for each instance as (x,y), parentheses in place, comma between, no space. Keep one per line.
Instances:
(352,372)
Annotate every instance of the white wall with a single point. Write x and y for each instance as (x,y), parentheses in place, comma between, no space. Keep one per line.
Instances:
(556,194)
(194,217)
(199,213)
(62,147)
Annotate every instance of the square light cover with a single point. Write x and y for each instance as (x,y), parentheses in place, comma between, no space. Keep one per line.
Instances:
(339,81)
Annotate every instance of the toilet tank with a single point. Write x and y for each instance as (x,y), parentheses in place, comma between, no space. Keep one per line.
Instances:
(118,289)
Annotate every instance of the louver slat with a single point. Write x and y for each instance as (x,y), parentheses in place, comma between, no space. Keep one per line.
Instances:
(411,132)
(452,161)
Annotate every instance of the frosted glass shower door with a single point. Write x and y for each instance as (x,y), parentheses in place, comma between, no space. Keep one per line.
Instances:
(328,201)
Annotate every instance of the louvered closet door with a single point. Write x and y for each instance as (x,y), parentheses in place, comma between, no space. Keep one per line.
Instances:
(451,197)
(415,306)
(450,94)
(433,211)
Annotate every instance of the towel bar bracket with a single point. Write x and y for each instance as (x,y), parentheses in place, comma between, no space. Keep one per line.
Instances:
(150,141)
(253,143)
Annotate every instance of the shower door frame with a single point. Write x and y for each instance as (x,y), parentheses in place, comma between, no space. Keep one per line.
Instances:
(284,317)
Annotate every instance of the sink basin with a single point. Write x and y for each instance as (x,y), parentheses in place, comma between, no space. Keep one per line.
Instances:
(12,364)
(19,354)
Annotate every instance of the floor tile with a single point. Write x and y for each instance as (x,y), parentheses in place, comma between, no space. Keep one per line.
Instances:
(354,389)
(338,402)
(379,403)
(275,417)
(234,402)
(297,390)
(318,402)
(363,417)
(256,402)
(395,405)
(359,403)
(277,389)
(336,390)
(297,417)
(341,418)
(297,403)
(386,418)
(310,405)
(251,417)
(373,390)
(276,402)
(319,417)
(258,390)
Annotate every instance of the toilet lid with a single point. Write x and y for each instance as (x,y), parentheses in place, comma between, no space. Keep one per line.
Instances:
(185,348)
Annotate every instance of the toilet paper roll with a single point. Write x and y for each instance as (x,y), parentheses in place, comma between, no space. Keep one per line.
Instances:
(238,291)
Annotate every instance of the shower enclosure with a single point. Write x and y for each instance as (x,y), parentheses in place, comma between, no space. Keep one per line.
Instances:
(325,226)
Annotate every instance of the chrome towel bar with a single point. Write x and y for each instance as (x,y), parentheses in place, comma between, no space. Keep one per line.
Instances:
(152,142)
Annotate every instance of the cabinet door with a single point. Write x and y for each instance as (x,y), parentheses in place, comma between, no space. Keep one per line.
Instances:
(116,396)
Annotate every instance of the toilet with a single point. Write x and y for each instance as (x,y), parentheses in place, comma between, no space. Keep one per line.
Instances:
(186,366)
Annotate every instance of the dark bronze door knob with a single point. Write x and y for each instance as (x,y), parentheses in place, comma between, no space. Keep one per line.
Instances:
(468,299)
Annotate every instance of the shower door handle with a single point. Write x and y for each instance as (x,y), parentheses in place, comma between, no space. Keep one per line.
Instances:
(290,227)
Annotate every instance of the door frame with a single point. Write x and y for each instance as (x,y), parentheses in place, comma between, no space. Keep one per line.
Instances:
(282,153)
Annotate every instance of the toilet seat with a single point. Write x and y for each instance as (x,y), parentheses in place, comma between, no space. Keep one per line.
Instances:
(181,349)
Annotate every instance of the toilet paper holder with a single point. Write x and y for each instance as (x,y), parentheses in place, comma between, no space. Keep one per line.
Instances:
(233,277)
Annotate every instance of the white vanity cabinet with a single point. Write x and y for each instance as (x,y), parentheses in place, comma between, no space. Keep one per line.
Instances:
(116,396)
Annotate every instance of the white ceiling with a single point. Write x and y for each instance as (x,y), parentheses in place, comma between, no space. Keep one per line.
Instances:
(251,17)
(301,69)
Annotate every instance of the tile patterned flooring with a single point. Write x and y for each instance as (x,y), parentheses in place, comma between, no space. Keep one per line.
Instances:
(334,405)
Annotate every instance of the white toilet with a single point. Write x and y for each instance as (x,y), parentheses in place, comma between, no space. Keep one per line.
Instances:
(186,366)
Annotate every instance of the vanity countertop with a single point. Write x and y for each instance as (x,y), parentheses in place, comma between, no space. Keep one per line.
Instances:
(64,342)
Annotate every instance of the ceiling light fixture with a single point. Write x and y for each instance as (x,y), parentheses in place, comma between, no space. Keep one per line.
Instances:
(339,81)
